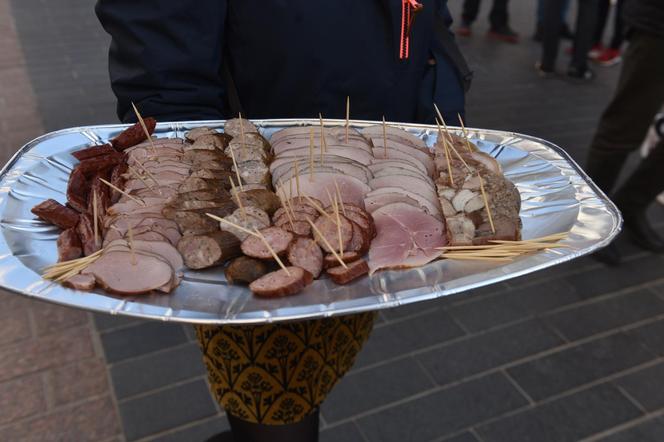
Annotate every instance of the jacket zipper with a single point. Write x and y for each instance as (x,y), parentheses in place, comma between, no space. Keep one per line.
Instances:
(409,8)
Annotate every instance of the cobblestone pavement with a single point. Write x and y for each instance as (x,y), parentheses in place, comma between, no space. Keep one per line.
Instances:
(574,352)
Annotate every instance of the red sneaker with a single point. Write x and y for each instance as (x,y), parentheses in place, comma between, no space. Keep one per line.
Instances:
(595,51)
(609,57)
(464,31)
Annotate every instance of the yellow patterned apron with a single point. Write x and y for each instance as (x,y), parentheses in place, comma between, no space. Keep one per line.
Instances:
(277,374)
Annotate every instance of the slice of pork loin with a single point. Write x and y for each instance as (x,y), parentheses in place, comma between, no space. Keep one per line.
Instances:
(360,156)
(125,273)
(354,169)
(160,248)
(322,186)
(409,183)
(428,163)
(394,133)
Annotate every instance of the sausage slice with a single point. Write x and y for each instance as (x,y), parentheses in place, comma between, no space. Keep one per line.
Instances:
(279,283)
(278,238)
(340,275)
(305,253)
(328,229)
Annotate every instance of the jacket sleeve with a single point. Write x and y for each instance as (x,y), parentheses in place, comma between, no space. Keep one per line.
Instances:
(166,57)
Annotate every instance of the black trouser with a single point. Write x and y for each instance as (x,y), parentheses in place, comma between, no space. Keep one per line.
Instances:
(602,15)
(585,25)
(497,18)
(625,122)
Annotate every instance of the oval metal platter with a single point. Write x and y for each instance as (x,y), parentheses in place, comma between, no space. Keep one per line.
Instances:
(556,197)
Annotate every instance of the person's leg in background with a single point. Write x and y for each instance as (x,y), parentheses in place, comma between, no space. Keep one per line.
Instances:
(583,40)
(468,15)
(271,379)
(565,31)
(610,56)
(603,7)
(499,21)
(550,36)
(622,127)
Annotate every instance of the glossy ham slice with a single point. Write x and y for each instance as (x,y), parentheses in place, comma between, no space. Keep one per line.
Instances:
(352,189)
(407,237)
(126,274)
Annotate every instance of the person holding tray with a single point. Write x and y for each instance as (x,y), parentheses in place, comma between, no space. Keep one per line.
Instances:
(200,60)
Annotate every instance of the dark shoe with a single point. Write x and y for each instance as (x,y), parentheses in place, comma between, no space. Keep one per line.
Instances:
(577,75)
(609,255)
(464,30)
(641,232)
(544,73)
(504,33)
(226,436)
(566,33)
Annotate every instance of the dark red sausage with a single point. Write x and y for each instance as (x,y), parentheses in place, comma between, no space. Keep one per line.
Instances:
(133,135)
(281,283)
(118,181)
(93,151)
(55,213)
(355,269)
(97,164)
(86,232)
(77,190)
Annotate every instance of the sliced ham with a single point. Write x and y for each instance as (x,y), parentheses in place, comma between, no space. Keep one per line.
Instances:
(352,189)
(407,237)
(124,273)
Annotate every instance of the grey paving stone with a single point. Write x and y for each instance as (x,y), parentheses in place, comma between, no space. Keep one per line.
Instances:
(631,273)
(166,409)
(649,431)
(573,367)
(566,419)
(514,304)
(487,351)
(646,386)
(105,322)
(612,313)
(343,433)
(156,370)
(141,339)
(199,432)
(652,336)
(403,337)
(444,412)
(358,392)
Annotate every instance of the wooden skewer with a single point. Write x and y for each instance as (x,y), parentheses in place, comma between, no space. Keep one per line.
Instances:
(237,169)
(336,185)
(311,154)
(285,206)
(465,134)
(329,197)
(137,175)
(447,153)
(239,200)
(244,145)
(320,235)
(320,209)
(486,203)
(232,224)
(297,177)
(323,142)
(95,215)
(384,137)
(347,116)
(145,128)
(131,246)
(451,145)
(274,254)
(336,211)
(131,197)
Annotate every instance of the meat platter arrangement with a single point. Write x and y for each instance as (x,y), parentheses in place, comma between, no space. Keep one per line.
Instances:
(178,226)
(312,202)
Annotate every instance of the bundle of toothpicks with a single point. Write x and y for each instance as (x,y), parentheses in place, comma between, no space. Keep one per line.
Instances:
(499,250)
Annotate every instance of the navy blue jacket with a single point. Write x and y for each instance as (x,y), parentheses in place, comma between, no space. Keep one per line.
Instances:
(178,59)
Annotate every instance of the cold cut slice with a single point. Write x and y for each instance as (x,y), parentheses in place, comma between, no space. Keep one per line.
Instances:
(80,282)
(328,229)
(55,213)
(245,270)
(331,261)
(342,275)
(202,251)
(279,283)
(133,135)
(278,238)
(69,245)
(305,253)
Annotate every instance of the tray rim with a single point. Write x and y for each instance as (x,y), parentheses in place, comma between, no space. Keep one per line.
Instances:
(434,292)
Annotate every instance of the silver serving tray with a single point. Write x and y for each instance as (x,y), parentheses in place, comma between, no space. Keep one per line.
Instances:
(557,197)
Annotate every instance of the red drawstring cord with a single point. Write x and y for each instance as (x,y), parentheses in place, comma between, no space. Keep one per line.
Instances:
(408,10)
